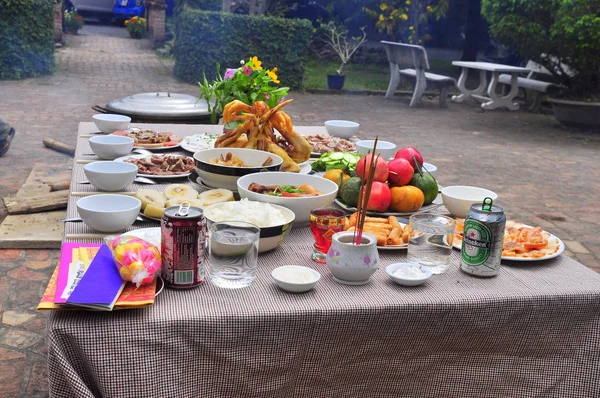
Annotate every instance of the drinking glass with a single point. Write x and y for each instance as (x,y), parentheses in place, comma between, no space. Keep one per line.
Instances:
(324,223)
(430,241)
(232,253)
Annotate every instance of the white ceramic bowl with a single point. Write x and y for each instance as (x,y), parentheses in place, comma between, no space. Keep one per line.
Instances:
(458,199)
(108,212)
(300,206)
(270,237)
(385,148)
(430,168)
(217,176)
(342,128)
(110,176)
(407,281)
(285,277)
(108,123)
(110,147)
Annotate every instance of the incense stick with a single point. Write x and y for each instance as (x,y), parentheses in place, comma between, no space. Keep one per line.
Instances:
(363,197)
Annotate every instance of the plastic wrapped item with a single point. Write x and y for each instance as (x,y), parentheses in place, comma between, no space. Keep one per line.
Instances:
(138,261)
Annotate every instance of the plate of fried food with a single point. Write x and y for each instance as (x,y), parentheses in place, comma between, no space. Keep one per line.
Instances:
(521,242)
(150,139)
(161,166)
(390,233)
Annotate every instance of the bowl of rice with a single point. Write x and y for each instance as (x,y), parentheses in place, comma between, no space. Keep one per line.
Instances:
(274,221)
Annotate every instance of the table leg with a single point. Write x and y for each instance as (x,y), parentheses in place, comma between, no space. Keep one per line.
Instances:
(497,101)
(467,94)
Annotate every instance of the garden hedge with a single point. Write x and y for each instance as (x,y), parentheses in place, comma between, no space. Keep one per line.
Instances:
(27,38)
(204,38)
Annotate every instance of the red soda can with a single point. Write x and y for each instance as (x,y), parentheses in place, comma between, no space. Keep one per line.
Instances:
(183,236)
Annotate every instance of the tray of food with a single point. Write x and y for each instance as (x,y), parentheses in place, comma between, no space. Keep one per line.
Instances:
(161,166)
(151,140)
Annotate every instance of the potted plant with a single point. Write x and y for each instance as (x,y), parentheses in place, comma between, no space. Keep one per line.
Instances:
(73,21)
(248,83)
(564,37)
(136,27)
(335,37)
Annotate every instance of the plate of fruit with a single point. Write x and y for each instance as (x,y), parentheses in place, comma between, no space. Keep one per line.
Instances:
(401,186)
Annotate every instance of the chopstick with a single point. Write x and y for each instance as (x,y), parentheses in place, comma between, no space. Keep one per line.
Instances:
(86,161)
(101,192)
(85,236)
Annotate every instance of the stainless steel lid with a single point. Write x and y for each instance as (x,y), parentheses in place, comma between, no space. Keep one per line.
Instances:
(153,105)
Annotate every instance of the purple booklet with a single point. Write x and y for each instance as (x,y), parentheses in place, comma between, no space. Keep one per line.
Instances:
(101,285)
(74,260)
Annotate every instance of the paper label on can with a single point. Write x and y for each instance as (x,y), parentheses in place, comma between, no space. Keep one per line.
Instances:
(477,243)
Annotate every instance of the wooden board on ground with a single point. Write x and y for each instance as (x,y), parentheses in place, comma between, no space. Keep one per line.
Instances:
(32,231)
(39,230)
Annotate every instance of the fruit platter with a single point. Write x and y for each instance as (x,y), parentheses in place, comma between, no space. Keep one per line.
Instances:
(401,186)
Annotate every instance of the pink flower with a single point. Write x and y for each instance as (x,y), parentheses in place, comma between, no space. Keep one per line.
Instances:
(246,70)
(229,73)
(267,97)
(281,100)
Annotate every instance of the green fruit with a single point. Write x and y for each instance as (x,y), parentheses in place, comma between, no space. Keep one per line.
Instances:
(351,190)
(426,183)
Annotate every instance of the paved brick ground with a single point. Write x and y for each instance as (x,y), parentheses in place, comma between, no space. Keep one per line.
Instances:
(544,174)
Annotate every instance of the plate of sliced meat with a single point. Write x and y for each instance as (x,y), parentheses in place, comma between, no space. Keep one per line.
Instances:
(521,242)
(323,144)
(161,166)
(151,140)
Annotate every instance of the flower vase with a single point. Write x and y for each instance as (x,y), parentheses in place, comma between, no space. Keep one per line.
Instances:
(352,264)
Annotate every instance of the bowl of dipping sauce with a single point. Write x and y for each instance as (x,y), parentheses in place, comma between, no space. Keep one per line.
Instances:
(408,274)
(295,278)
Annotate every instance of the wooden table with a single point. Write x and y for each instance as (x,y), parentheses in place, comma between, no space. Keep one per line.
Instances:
(493,100)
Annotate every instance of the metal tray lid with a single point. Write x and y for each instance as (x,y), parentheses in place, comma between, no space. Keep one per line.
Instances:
(160,104)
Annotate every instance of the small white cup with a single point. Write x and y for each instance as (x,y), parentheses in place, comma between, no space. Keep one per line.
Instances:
(386,149)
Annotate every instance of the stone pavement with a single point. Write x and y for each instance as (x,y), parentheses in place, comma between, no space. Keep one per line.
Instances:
(544,175)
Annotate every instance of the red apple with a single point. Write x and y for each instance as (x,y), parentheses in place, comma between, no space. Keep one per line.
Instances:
(408,153)
(381,169)
(401,172)
(380,197)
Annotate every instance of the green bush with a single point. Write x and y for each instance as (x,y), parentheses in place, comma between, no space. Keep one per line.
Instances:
(27,38)
(205,38)
(553,33)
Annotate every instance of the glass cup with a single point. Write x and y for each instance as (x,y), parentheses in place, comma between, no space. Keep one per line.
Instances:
(232,253)
(323,224)
(430,241)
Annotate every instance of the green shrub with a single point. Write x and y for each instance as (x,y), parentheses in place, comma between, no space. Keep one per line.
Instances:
(27,38)
(551,33)
(204,39)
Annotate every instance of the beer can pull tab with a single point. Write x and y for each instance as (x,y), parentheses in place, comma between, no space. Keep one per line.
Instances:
(487,204)
(184,208)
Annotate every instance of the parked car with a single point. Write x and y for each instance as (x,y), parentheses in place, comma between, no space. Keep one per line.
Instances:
(101,9)
(125,9)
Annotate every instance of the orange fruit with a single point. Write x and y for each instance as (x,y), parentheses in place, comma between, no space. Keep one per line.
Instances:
(335,175)
(406,199)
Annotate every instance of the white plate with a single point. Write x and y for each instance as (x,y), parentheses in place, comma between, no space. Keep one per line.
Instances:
(162,177)
(185,145)
(437,202)
(151,235)
(561,248)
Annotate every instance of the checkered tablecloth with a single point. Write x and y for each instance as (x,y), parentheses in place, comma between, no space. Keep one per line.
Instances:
(532,331)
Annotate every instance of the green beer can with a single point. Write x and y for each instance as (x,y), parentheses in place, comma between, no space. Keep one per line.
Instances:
(483,237)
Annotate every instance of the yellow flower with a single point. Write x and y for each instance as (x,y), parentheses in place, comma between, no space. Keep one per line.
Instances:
(404,17)
(314,30)
(381,17)
(256,64)
(383,7)
(135,18)
(407,2)
(411,28)
(273,75)
(429,8)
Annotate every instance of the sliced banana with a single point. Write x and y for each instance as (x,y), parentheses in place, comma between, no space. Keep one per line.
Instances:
(173,191)
(216,196)
(154,211)
(178,201)
(149,196)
